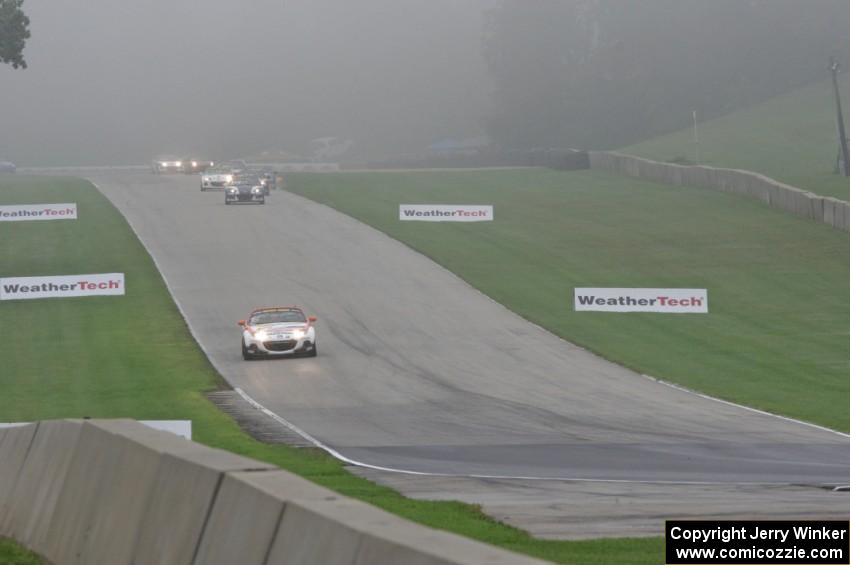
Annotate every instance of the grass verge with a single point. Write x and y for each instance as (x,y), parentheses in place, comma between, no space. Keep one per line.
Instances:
(779,298)
(13,554)
(791,138)
(133,356)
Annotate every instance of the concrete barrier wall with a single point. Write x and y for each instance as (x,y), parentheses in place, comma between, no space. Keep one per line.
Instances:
(742,183)
(115,492)
(39,483)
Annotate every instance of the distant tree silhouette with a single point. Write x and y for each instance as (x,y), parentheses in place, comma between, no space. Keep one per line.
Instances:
(14,32)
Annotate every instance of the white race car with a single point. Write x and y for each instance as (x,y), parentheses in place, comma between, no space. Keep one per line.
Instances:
(278,331)
(216,178)
(167,164)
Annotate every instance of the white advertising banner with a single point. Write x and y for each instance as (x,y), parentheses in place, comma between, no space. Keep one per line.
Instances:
(445,213)
(663,300)
(26,212)
(22,288)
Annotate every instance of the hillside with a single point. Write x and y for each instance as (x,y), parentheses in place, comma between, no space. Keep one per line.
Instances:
(791,138)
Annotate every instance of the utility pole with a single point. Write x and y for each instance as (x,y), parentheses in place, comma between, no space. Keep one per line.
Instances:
(696,138)
(834,67)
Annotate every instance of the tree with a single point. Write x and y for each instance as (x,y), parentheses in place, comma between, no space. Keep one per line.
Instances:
(14,32)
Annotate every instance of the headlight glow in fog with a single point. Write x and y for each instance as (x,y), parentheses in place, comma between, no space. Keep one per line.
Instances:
(261,335)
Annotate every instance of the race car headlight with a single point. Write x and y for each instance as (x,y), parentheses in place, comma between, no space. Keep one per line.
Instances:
(232,190)
(298,334)
(256,189)
(178,164)
(163,164)
(194,163)
(261,335)
(229,178)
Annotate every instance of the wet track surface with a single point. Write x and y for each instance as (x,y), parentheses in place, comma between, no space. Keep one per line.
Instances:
(420,372)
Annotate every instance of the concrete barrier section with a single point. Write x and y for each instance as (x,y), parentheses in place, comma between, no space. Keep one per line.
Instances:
(326,531)
(829,211)
(124,496)
(108,483)
(246,515)
(837,208)
(117,492)
(182,497)
(802,204)
(816,205)
(844,215)
(775,194)
(13,452)
(41,481)
(793,201)
(306,535)
(759,187)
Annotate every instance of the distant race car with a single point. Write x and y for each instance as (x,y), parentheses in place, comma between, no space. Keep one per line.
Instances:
(217,177)
(7,167)
(278,331)
(268,179)
(194,165)
(167,164)
(244,189)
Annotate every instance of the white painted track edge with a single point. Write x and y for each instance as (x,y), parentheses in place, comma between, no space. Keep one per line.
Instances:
(336,454)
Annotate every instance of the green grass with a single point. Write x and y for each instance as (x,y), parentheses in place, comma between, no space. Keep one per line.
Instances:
(791,138)
(13,554)
(779,287)
(133,356)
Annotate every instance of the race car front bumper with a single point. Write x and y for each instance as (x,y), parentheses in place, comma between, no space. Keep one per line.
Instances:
(168,169)
(256,197)
(284,347)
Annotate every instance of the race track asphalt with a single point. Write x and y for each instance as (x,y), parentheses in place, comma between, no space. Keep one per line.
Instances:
(420,372)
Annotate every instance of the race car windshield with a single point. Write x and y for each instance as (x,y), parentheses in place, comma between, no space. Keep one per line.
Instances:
(277,317)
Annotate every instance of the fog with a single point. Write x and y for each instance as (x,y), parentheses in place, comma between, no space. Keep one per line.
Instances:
(116,82)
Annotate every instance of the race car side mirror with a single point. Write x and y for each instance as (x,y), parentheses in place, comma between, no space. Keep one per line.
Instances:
(312,319)
(241,323)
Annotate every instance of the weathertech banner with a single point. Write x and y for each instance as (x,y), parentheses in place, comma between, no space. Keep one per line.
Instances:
(663,300)
(25,212)
(445,213)
(22,288)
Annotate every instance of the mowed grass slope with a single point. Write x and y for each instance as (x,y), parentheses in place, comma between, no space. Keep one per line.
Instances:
(777,334)
(132,356)
(791,138)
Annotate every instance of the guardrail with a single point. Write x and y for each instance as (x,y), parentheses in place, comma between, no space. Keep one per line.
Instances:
(114,492)
(775,194)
